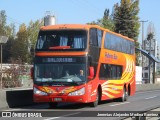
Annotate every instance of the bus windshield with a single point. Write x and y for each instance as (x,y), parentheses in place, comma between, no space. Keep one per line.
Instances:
(62,40)
(60,73)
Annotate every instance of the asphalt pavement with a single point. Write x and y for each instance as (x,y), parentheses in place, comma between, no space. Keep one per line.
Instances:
(136,105)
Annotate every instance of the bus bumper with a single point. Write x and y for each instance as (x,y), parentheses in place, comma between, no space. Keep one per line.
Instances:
(78,99)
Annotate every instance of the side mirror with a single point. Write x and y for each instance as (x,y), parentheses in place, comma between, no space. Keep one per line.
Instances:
(91,73)
(32,72)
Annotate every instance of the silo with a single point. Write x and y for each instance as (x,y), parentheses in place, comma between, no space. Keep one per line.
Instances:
(49,20)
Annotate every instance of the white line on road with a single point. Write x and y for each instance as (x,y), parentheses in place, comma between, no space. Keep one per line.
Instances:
(147,91)
(13,110)
(150,97)
(52,118)
(16,89)
(119,104)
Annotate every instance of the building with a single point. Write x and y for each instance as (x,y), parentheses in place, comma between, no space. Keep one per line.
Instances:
(158,64)
(151,47)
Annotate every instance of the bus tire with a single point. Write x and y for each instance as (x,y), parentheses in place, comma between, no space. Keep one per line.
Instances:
(124,95)
(53,104)
(95,103)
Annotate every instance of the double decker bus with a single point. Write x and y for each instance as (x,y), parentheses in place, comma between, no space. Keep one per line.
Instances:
(82,64)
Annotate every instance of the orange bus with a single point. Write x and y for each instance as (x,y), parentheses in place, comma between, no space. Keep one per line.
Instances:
(82,64)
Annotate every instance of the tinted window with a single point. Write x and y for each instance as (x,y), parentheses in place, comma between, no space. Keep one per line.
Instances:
(110,72)
(96,37)
(100,34)
(93,37)
(62,39)
(119,44)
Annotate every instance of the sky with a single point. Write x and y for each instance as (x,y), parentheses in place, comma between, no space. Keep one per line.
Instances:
(76,11)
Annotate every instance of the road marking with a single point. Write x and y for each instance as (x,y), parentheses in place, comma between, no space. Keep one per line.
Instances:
(119,104)
(13,110)
(150,97)
(146,91)
(52,118)
(16,89)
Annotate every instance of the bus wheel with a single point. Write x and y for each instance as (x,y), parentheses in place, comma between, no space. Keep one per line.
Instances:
(53,104)
(95,103)
(124,95)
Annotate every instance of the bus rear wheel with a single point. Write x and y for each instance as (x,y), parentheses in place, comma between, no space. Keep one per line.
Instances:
(95,103)
(53,104)
(124,95)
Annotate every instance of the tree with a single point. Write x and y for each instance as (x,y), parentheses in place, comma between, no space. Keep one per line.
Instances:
(10,32)
(2,22)
(33,29)
(32,34)
(107,21)
(20,48)
(126,18)
(8,50)
(151,42)
(127,21)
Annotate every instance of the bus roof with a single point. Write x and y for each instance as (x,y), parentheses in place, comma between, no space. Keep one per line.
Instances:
(68,26)
(79,26)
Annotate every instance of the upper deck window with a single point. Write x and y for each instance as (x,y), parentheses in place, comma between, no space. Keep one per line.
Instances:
(62,40)
(96,37)
(119,44)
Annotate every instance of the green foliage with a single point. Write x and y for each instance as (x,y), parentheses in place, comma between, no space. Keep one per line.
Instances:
(150,36)
(21,43)
(20,48)
(32,34)
(126,18)
(32,30)
(10,32)
(7,50)
(92,23)
(2,22)
(105,22)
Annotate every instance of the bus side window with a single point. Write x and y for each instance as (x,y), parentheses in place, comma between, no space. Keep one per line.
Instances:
(107,42)
(119,72)
(93,37)
(40,43)
(100,35)
(110,72)
(105,71)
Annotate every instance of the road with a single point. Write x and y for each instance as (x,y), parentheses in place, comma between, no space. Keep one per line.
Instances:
(141,101)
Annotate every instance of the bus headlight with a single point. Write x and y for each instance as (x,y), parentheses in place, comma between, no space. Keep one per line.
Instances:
(78,92)
(39,92)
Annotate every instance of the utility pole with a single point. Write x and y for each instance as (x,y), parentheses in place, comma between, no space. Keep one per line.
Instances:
(143,45)
(3,40)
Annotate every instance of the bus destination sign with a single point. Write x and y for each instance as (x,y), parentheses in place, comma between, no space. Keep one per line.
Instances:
(59,60)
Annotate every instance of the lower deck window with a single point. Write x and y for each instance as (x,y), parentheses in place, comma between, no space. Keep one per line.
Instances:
(110,72)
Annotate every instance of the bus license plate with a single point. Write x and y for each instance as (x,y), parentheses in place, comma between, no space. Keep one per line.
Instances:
(57,99)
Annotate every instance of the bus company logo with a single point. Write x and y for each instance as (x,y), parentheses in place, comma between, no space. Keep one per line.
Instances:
(6,114)
(111,56)
(57,89)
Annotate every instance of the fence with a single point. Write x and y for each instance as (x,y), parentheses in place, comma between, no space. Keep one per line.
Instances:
(16,75)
